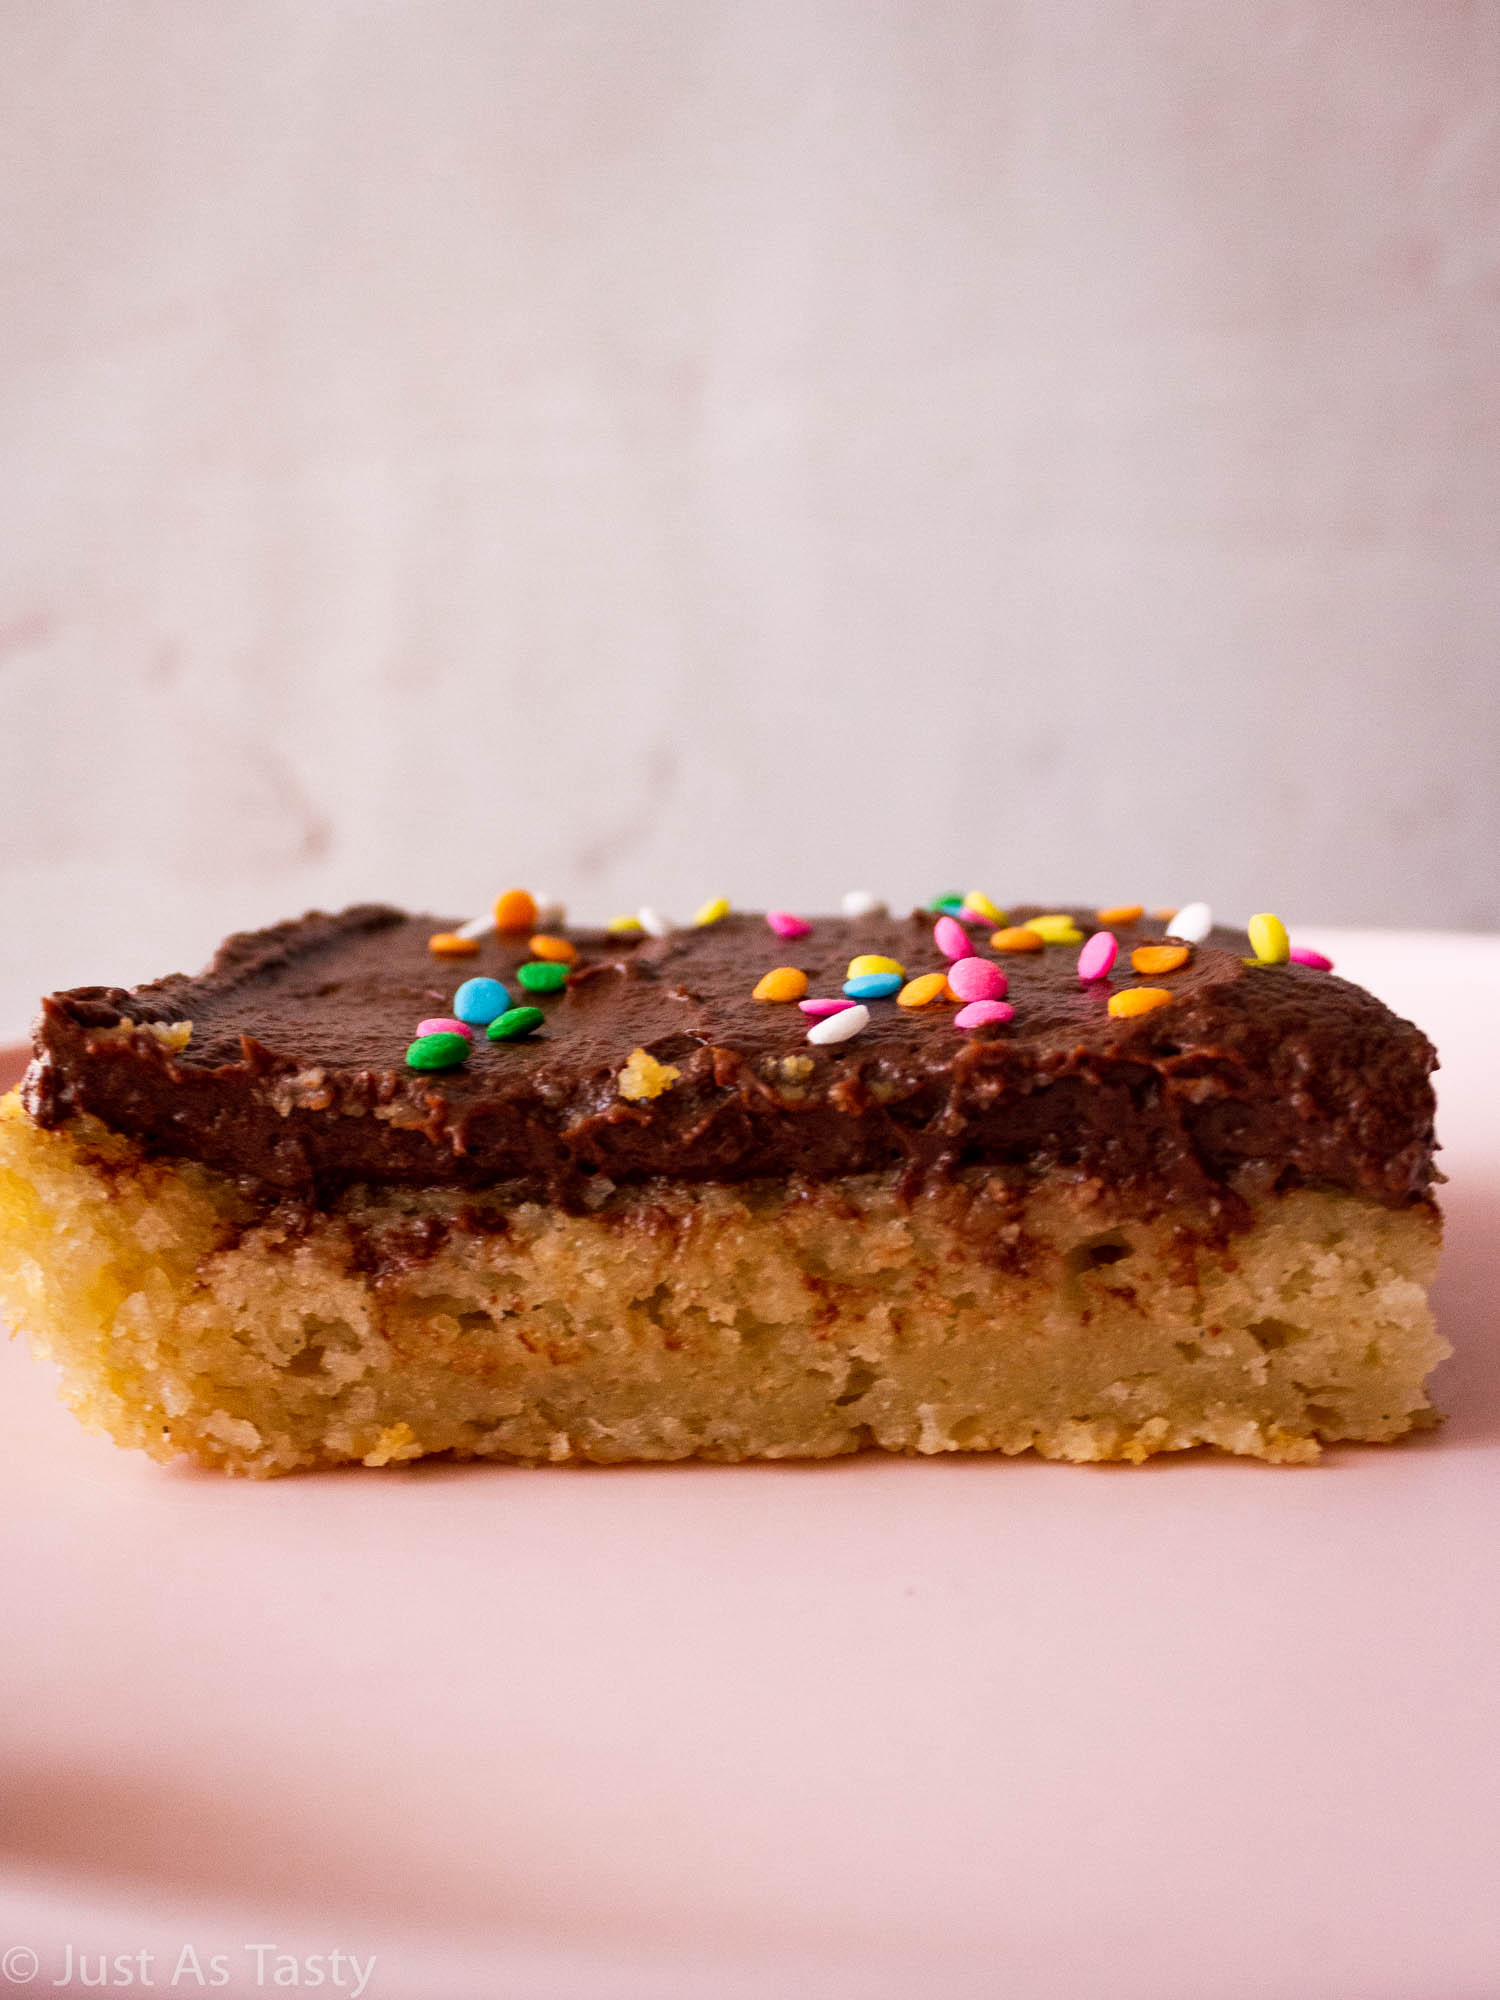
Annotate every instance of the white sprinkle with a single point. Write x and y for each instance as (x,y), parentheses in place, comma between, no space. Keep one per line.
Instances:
(551,915)
(1192,924)
(860,903)
(652,922)
(476,927)
(841,1026)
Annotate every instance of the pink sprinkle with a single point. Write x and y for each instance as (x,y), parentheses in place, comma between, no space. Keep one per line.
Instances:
(822,1007)
(441,1024)
(786,925)
(1300,955)
(1098,955)
(952,939)
(977,979)
(980,1011)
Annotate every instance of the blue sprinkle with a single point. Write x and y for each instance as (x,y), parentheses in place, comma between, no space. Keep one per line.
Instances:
(873,986)
(480,1001)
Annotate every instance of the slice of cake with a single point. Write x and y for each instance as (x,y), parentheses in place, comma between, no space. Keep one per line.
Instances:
(374,1186)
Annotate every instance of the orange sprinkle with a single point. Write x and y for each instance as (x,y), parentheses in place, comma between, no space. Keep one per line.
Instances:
(515,910)
(1160,957)
(1121,913)
(1018,938)
(557,949)
(1137,1000)
(923,990)
(1165,915)
(785,982)
(448,944)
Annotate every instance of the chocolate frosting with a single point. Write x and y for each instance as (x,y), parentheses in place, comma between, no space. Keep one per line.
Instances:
(295,1078)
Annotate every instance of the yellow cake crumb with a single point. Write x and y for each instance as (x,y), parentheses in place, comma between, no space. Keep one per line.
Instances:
(643,1076)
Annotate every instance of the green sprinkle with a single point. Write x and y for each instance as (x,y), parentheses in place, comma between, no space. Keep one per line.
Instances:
(543,975)
(437,1052)
(515,1021)
(946,906)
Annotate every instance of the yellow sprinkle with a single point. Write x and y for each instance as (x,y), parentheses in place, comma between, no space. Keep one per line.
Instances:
(561,951)
(980,904)
(644,1076)
(448,944)
(1137,1000)
(1019,937)
(1268,939)
(625,926)
(870,962)
(1121,913)
(923,990)
(515,910)
(712,912)
(1160,957)
(1058,928)
(784,983)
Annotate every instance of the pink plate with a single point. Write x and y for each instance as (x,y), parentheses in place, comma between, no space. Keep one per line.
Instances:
(1200,1730)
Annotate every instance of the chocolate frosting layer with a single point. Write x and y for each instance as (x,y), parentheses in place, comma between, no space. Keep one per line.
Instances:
(294,1075)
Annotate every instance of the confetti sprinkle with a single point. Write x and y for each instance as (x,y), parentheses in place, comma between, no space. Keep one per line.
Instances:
(1056,928)
(946,906)
(515,910)
(542,975)
(551,915)
(783,982)
(478,1001)
(712,912)
(561,951)
(1160,957)
(1132,1000)
(976,979)
(514,1023)
(786,925)
(977,904)
(625,926)
(950,937)
(873,961)
(860,903)
(476,928)
(1121,913)
(450,944)
(652,922)
(1098,955)
(1192,923)
(1300,954)
(1018,937)
(818,1008)
(443,1024)
(643,1076)
(873,986)
(923,990)
(980,1012)
(1268,939)
(840,1027)
(437,1052)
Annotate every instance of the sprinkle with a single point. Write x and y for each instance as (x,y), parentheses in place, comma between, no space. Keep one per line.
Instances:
(1160,957)
(475,928)
(976,979)
(1057,928)
(1166,916)
(946,906)
(515,911)
(1132,1000)
(1121,913)
(514,1023)
(1098,955)
(644,1076)
(923,990)
(951,938)
(1268,939)
(1192,923)
(981,1011)
(542,975)
(839,1027)
(551,915)
(1018,937)
(443,1024)
(437,1052)
(712,912)
(1300,954)
(783,982)
(860,903)
(818,1008)
(449,944)
(978,904)
(626,926)
(652,922)
(873,986)
(561,951)
(871,961)
(478,1001)
(786,925)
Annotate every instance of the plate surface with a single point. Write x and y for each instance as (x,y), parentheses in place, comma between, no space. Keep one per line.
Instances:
(1198,1730)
